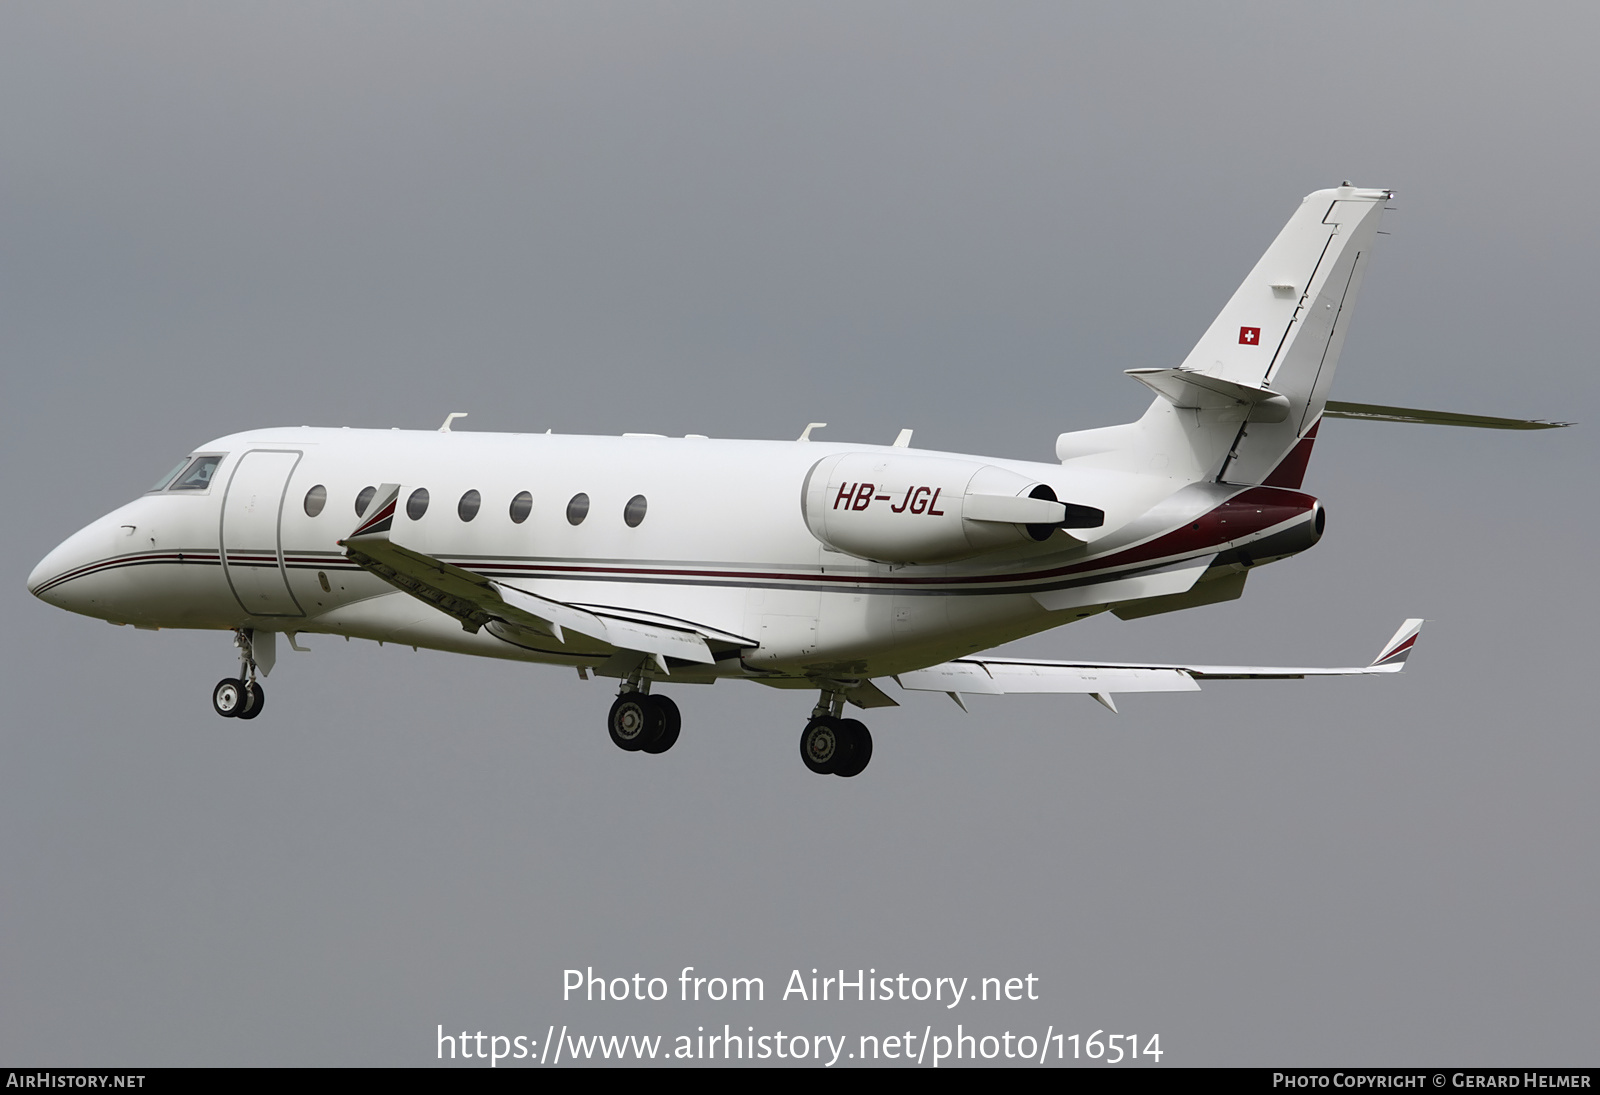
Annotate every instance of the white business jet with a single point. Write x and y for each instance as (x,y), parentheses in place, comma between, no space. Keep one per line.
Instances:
(795,564)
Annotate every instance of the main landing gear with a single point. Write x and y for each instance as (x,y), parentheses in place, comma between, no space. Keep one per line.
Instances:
(831,745)
(240,697)
(642,723)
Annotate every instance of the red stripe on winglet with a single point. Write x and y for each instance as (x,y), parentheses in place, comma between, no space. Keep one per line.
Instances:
(1401,649)
(387,511)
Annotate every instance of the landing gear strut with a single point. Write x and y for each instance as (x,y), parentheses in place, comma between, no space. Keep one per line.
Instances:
(830,745)
(240,697)
(640,722)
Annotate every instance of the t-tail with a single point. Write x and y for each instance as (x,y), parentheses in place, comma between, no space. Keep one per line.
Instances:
(1244,406)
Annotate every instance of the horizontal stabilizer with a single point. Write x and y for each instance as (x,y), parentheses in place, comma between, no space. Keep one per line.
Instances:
(1374,412)
(1190,390)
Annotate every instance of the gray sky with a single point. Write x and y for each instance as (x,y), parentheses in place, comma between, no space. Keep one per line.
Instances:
(733,220)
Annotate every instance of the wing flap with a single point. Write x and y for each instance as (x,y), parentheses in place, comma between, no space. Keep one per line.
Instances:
(651,639)
(638,616)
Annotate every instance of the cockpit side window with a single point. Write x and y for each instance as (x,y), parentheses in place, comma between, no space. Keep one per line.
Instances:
(161,484)
(197,476)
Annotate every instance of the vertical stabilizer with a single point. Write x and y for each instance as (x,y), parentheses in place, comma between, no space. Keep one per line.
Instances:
(1248,397)
(1295,307)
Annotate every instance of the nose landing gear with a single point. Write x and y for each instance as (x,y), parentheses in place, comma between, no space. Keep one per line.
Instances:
(830,745)
(240,697)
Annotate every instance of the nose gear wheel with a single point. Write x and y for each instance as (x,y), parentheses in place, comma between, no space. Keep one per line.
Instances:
(256,700)
(240,697)
(229,697)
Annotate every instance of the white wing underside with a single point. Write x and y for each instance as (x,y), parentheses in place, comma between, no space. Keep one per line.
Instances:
(1024,676)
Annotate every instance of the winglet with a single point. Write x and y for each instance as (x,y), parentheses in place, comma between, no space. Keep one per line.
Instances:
(378,518)
(1398,649)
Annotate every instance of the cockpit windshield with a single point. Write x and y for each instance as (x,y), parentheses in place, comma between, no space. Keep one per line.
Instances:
(161,484)
(197,476)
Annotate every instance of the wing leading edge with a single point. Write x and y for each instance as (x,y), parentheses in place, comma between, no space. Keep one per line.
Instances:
(510,614)
(1023,676)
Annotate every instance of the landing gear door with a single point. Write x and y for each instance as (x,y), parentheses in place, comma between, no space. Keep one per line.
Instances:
(252,548)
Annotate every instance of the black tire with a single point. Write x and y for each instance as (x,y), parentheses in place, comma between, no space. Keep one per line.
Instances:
(257,700)
(671,723)
(229,697)
(822,745)
(860,754)
(635,722)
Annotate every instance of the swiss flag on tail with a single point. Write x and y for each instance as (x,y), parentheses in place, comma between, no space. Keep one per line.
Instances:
(1249,336)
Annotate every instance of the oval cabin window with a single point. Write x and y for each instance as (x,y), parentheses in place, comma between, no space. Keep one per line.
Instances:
(417,504)
(316,498)
(633,512)
(521,506)
(467,508)
(577,509)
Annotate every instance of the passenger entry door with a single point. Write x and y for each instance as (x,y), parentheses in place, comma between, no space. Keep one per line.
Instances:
(252,549)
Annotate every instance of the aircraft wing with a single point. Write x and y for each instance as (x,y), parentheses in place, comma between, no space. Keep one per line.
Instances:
(484,602)
(1020,676)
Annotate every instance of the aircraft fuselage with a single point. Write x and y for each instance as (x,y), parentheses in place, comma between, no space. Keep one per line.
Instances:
(720,540)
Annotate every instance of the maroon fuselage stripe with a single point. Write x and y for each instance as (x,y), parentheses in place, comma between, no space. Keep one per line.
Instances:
(1251,511)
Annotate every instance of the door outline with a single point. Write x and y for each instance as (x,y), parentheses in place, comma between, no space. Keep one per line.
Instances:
(277,532)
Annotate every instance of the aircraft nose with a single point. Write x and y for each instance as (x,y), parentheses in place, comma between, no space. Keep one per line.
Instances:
(52,580)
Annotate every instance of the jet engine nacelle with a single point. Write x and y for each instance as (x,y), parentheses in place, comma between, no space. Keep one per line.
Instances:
(929,509)
(1301,516)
